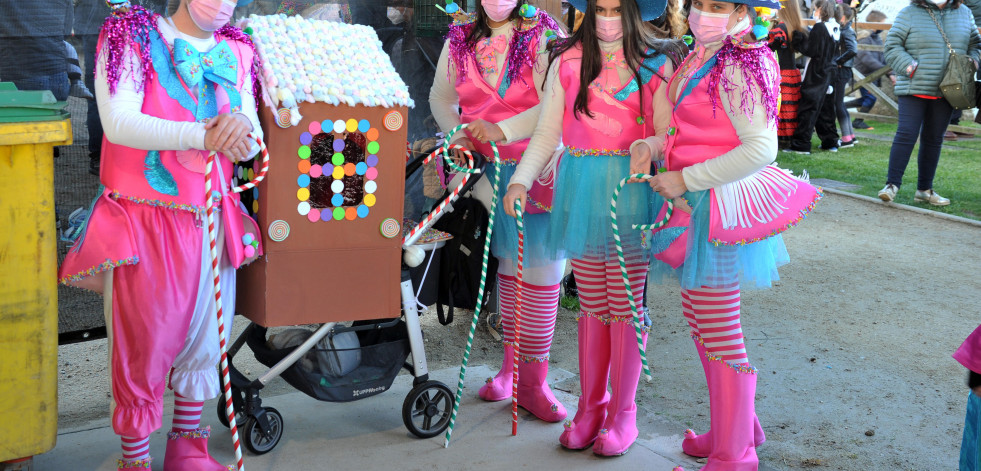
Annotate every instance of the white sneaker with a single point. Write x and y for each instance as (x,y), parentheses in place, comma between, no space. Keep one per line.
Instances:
(888,193)
(929,196)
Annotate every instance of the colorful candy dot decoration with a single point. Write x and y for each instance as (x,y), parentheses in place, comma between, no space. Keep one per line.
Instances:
(390,228)
(527,11)
(278,230)
(338,169)
(393,120)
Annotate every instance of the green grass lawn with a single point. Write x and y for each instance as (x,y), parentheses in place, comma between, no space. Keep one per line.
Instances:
(958,175)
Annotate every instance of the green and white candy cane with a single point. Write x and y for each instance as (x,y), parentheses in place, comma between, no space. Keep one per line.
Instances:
(623,262)
(495,185)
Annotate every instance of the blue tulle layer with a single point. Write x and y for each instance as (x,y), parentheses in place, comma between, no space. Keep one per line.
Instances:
(580,223)
(504,240)
(754,265)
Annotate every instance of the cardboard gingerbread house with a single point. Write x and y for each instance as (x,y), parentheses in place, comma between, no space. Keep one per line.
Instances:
(331,206)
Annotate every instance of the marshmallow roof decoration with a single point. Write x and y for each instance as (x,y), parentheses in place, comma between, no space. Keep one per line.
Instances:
(323,61)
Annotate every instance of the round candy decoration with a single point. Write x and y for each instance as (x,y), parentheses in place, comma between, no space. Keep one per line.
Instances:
(279,230)
(390,228)
(393,121)
(284,118)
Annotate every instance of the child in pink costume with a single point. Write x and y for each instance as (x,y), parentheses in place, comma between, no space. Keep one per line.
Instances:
(169,91)
(601,84)
(494,74)
(718,154)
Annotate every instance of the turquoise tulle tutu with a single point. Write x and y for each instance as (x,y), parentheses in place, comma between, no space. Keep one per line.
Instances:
(580,222)
(504,240)
(754,265)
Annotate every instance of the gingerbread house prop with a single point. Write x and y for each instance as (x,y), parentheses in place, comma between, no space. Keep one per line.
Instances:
(331,207)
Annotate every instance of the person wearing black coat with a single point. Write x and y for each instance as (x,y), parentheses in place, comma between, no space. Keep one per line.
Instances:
(816,107)
(847,48)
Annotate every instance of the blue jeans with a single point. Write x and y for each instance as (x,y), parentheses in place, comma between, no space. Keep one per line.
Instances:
(57,83)
(926,119)
(868,99)
(93,122)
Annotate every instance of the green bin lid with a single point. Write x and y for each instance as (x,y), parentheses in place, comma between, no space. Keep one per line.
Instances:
(17,106)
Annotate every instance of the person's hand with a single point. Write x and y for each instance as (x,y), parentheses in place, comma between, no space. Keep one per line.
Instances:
(485,131)
(458,155)
(669,184)
(516,192)
(640,161)
(228,134)
(892,78)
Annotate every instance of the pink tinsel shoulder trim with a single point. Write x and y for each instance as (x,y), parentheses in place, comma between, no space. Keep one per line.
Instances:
(760,75)
(129,30)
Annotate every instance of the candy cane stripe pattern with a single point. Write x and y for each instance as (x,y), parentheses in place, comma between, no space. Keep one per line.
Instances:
(483,271)
(213,245)
(416,231)
(623,264)
(517,315)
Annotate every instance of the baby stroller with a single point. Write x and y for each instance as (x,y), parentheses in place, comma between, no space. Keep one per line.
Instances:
(342,363)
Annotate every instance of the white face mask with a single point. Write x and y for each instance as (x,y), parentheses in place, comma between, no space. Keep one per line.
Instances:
(938,2)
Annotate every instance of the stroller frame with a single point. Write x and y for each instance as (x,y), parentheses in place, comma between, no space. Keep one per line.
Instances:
(426,409)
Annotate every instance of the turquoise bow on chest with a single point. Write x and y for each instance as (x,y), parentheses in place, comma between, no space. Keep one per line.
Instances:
(217,67)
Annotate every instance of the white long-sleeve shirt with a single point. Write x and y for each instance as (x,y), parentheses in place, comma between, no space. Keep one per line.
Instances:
(445,102)
(758,140)
(548,132)
(123,120)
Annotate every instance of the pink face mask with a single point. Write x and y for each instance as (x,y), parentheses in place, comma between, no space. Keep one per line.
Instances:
(498,10)
(708,27)
(609,28)
(209,15)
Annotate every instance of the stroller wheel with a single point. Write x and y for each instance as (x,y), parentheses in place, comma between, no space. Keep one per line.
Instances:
(223,416)
(426,410)
(258,441)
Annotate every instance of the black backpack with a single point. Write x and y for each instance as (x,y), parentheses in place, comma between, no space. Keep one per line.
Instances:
(461,258)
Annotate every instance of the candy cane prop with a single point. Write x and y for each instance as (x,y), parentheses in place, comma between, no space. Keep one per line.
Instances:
(623,262)
(416,232)
(483,272)
(517,314)
(213,197)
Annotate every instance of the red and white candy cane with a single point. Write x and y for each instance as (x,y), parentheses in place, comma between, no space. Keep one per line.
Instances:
(519,217)
(226,384)
(416,232)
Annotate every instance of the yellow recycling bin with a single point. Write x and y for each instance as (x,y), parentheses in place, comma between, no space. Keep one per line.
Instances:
(28,276)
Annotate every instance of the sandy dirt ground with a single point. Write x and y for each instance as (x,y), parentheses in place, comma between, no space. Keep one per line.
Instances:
(853,346)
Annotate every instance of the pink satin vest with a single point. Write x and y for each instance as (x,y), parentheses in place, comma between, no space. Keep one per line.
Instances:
(125,171)
(614,124)
(480,100)
(698,131)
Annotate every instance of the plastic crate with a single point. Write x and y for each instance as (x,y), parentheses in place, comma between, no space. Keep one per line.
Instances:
(430,22)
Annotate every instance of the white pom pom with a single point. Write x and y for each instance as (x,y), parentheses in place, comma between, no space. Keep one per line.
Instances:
(413,256)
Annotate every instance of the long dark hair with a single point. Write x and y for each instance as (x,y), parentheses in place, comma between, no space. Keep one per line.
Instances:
(639,43)
(481,30)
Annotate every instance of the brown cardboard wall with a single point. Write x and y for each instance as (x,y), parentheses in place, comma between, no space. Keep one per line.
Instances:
(325,271)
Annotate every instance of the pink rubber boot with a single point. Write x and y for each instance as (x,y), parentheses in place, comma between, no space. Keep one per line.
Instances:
(620,429)
(594,371)
(134,465)
(499,387)
(733,394)
(188,450)
(701,445)
(534,395)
